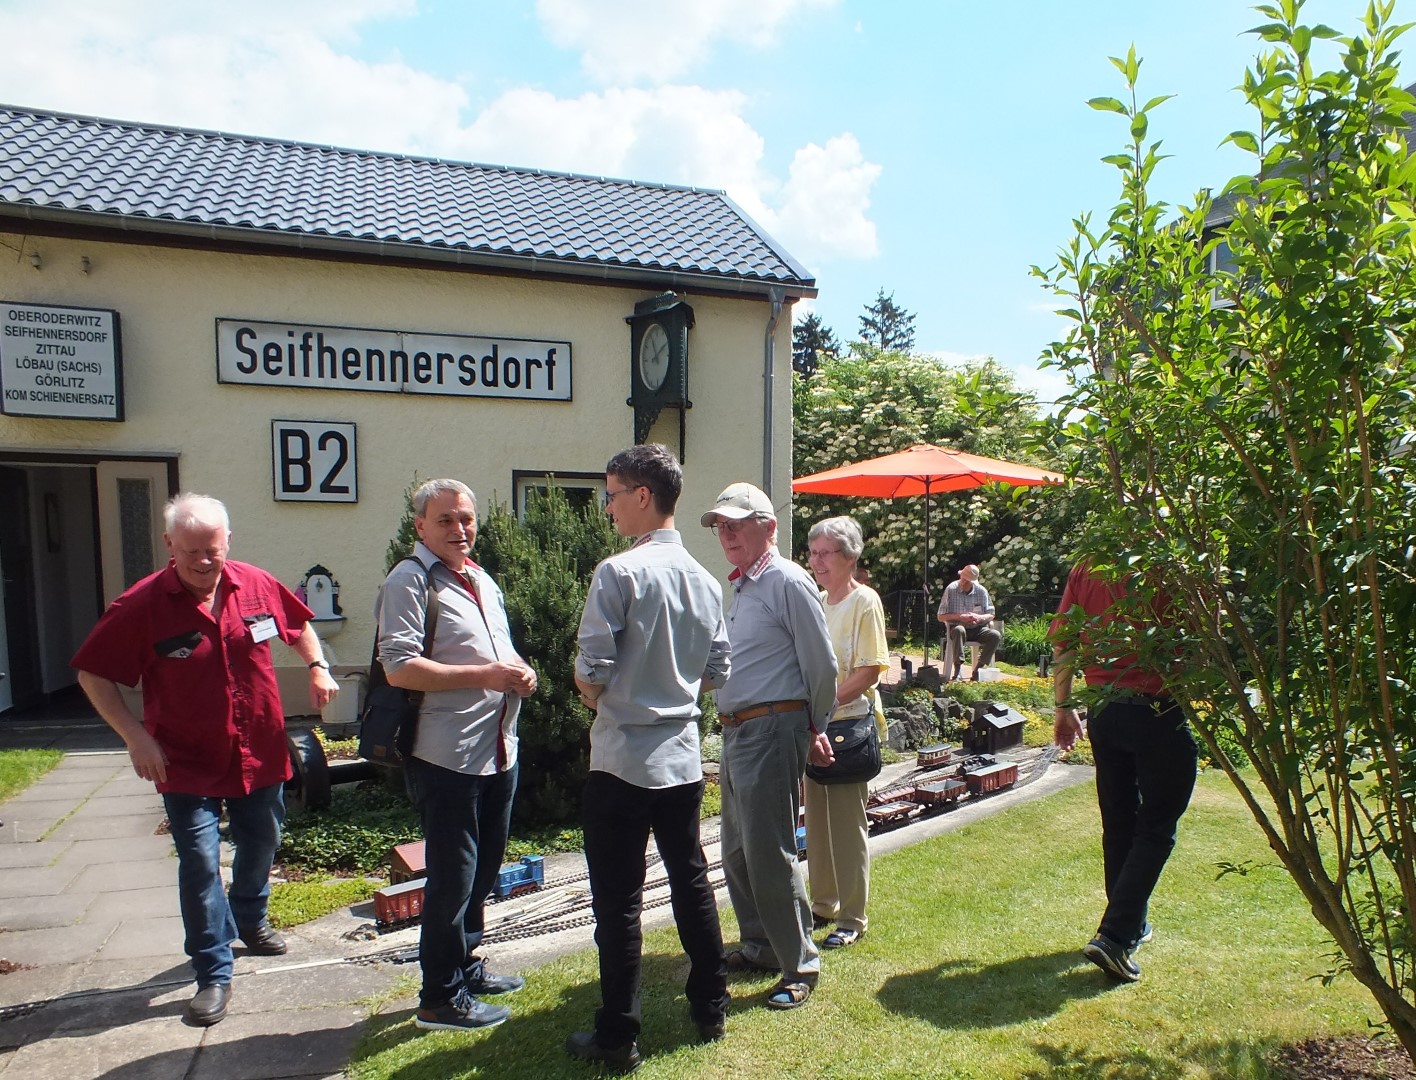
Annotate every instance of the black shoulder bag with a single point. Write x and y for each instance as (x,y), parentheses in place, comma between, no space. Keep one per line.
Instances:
(389,719)
(856,744)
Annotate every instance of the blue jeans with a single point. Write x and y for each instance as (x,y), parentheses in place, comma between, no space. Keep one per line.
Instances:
(1145,773)
(466,820)
(211,917)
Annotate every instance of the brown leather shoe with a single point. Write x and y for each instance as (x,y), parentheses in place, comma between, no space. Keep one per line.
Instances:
(264,940)
(209,1005)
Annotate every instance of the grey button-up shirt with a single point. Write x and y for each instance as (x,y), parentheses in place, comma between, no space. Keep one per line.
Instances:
(457,729)
(957,602)
(652,635)
(781,650)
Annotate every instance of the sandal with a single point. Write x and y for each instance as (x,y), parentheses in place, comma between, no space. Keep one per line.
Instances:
(819,922)
(840,938)
(738,960)
(789,995)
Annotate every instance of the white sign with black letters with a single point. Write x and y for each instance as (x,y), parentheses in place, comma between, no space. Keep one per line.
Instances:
(391,361)
(61,362)
(314,461)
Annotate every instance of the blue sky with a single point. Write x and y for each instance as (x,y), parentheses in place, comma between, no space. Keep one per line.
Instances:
(933,148)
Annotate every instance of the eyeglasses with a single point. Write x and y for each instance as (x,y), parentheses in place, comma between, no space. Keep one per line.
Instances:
(609,496)
(732,528)
(821,553)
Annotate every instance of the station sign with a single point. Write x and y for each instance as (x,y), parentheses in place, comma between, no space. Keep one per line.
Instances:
(60,362)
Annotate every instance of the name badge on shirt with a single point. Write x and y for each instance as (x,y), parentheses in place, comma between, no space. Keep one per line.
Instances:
(263,629)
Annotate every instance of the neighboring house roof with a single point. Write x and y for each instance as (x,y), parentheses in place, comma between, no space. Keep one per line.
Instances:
(180,183)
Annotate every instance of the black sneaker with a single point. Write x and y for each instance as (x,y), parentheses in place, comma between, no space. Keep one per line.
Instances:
(585,1046)
(462,1013)
(1118,963)
(482,981)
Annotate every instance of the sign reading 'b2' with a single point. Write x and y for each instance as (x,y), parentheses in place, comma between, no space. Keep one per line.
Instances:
(314,461)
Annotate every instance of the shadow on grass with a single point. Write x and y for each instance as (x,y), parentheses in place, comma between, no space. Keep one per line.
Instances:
(532,1042)
(1237,1060)
(960,994)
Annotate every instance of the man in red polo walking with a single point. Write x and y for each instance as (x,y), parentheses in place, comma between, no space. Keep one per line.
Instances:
(197,634)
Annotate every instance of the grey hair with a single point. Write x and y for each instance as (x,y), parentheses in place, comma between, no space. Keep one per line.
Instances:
(191,511)
(429,491)
(845,531)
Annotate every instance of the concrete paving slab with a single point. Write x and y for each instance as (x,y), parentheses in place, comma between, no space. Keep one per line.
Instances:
(142,806)
(327,985)
(115,850)
(155,1049)
(156,902)
(304,1043)
(37,853)
(27,822)
(161,979)
(29,881)
(38,983)
(104,828)
(158,936)
(40,912)
(66,945)
(56,791)
(119,876)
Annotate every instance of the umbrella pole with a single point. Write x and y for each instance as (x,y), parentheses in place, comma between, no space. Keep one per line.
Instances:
(924,661)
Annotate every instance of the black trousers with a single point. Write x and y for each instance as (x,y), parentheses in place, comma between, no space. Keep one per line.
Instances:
(618,817)
(1145,774)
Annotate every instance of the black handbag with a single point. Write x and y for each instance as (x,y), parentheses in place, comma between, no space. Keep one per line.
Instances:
(856,744)
(389,719)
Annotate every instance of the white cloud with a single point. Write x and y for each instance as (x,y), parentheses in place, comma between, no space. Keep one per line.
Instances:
(689,135)
(269,70)
(657,41)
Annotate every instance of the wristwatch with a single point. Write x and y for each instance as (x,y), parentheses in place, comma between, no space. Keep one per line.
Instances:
(318,663)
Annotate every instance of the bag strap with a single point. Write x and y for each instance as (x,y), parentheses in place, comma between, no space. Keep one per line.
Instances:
(430,629)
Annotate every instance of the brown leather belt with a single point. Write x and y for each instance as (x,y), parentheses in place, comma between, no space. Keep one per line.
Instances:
(767,708)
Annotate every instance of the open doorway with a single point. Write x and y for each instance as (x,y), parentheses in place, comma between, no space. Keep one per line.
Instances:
(75,532)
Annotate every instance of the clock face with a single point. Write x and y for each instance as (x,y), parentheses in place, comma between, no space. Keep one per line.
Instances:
(654,356)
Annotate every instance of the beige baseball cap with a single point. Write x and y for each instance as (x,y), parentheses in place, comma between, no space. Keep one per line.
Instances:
(739,501)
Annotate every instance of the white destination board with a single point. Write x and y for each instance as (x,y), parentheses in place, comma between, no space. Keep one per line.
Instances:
(60,362)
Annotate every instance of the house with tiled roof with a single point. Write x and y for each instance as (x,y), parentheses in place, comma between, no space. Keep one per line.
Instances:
(299,330)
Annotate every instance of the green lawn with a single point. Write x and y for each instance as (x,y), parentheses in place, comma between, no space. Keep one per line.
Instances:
(21,768)
(972,969)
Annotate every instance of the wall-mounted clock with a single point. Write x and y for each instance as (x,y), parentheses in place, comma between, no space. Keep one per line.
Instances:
(658,364)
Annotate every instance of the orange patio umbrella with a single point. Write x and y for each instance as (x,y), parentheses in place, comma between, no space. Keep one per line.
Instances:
(921,470)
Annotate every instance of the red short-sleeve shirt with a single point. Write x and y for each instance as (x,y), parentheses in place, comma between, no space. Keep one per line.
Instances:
(1097,597)
(210,697)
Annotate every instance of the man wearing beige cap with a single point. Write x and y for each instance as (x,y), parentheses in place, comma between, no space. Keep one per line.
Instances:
(773,707)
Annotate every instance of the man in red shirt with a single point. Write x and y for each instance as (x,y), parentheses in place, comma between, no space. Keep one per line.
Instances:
(213,730)
(1145,762)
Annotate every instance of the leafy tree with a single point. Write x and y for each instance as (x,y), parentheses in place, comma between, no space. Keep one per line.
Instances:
(811,339)
(887,326)
(872,402)
(1243,445)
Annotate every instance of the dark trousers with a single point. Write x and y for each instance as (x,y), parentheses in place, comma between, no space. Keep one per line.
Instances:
(465,824)
(1145,773)
(618,818)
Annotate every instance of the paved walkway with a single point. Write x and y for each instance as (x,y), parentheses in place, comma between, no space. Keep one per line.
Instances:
(88,909)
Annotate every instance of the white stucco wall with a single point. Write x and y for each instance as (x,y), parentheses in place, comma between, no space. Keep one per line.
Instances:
(169,298)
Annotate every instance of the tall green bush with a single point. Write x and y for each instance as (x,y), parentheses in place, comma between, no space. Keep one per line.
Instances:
(1243,420)
(543,563)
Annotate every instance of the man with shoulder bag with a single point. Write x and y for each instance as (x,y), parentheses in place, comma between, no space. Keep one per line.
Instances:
(461,766)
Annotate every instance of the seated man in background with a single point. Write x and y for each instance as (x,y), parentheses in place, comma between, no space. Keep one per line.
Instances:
(967,611)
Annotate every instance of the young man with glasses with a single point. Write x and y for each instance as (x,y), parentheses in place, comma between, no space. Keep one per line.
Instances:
(774,709)
(651,639)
